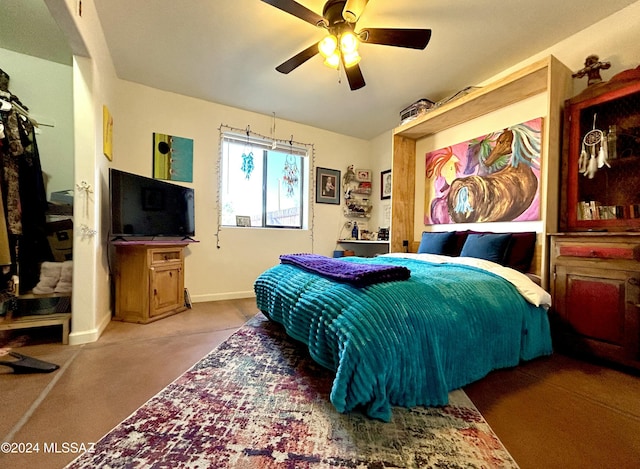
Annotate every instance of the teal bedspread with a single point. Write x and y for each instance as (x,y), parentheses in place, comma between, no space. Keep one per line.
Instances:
(408,342)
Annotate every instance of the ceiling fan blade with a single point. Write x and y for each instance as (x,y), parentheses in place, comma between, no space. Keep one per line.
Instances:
(410,38)
(298,59)
(297,10)
(355,77)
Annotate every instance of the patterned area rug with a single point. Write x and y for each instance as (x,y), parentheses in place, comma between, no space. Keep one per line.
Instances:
(259,401)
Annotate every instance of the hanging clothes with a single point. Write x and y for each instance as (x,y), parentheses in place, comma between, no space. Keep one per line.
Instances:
(13,150)
(23,199)
(5,132)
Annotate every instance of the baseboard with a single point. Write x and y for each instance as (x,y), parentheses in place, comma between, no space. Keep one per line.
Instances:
(223,296)
(90,335)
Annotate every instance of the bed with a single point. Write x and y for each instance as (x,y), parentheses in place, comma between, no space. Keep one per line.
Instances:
(407,341)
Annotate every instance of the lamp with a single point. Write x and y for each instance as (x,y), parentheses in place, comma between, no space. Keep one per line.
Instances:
(353,9)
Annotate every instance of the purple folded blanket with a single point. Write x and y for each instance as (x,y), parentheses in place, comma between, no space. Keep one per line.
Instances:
(358,275)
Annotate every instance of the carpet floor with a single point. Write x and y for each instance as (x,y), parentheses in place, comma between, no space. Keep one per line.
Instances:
(259,401)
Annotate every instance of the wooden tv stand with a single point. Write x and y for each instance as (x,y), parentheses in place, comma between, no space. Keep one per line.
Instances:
(149,278)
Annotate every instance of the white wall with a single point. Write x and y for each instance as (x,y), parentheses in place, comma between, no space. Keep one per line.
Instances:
(614,39)
(94,82)
(227,272)
(46,89)
(381,153)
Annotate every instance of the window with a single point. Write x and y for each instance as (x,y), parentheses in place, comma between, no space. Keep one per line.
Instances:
(266,184)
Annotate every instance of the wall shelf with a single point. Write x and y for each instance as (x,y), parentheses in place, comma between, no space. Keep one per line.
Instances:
(527,82)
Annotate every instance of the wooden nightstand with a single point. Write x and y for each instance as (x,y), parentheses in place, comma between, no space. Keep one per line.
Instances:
(149,280)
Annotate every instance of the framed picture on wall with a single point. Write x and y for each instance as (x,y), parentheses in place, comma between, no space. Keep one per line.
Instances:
(385,184)
(327,186)
(172,158)
(107,133)
(363,175)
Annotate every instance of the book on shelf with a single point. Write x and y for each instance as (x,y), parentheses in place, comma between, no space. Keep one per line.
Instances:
(592,210)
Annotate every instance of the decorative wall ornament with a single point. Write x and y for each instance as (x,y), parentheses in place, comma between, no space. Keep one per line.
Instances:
(86,232)
(592,67)
(290,175)
(85,191)
(247,164)
(491,178)
(172,158)
(594,153)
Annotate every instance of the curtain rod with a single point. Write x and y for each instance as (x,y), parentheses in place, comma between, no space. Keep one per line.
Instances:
(247,133)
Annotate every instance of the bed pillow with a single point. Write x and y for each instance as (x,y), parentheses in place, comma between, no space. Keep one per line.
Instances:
(488,246)
(437,243)
(520,251)
(461,237)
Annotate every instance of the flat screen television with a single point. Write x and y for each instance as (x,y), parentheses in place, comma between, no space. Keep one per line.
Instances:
(146,207)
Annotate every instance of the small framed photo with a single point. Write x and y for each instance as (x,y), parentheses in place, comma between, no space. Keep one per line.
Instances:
(363,175)
(243,220)
(385,184)
(327,186)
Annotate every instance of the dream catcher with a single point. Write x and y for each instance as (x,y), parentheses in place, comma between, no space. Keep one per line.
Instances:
(290,174)
(594,152)
(247,159)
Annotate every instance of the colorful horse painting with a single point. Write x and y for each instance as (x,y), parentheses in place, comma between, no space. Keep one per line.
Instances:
(488,179)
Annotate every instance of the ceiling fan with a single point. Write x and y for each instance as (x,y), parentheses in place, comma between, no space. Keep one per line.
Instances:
(340,46)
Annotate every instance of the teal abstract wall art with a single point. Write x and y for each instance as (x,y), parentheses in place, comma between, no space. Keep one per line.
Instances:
(172,158)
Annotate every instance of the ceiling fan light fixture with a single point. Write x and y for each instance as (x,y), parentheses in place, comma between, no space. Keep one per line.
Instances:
(348,42)
(333,60)
(351,59)
(328,45)
(353,9)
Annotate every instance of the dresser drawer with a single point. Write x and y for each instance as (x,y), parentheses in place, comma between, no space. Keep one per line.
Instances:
(160,256)
(599,251)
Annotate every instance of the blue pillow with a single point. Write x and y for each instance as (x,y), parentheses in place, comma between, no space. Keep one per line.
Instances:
(491,247)
(437,243)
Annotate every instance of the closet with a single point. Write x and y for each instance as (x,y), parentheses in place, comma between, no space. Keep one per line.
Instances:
(35,235)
